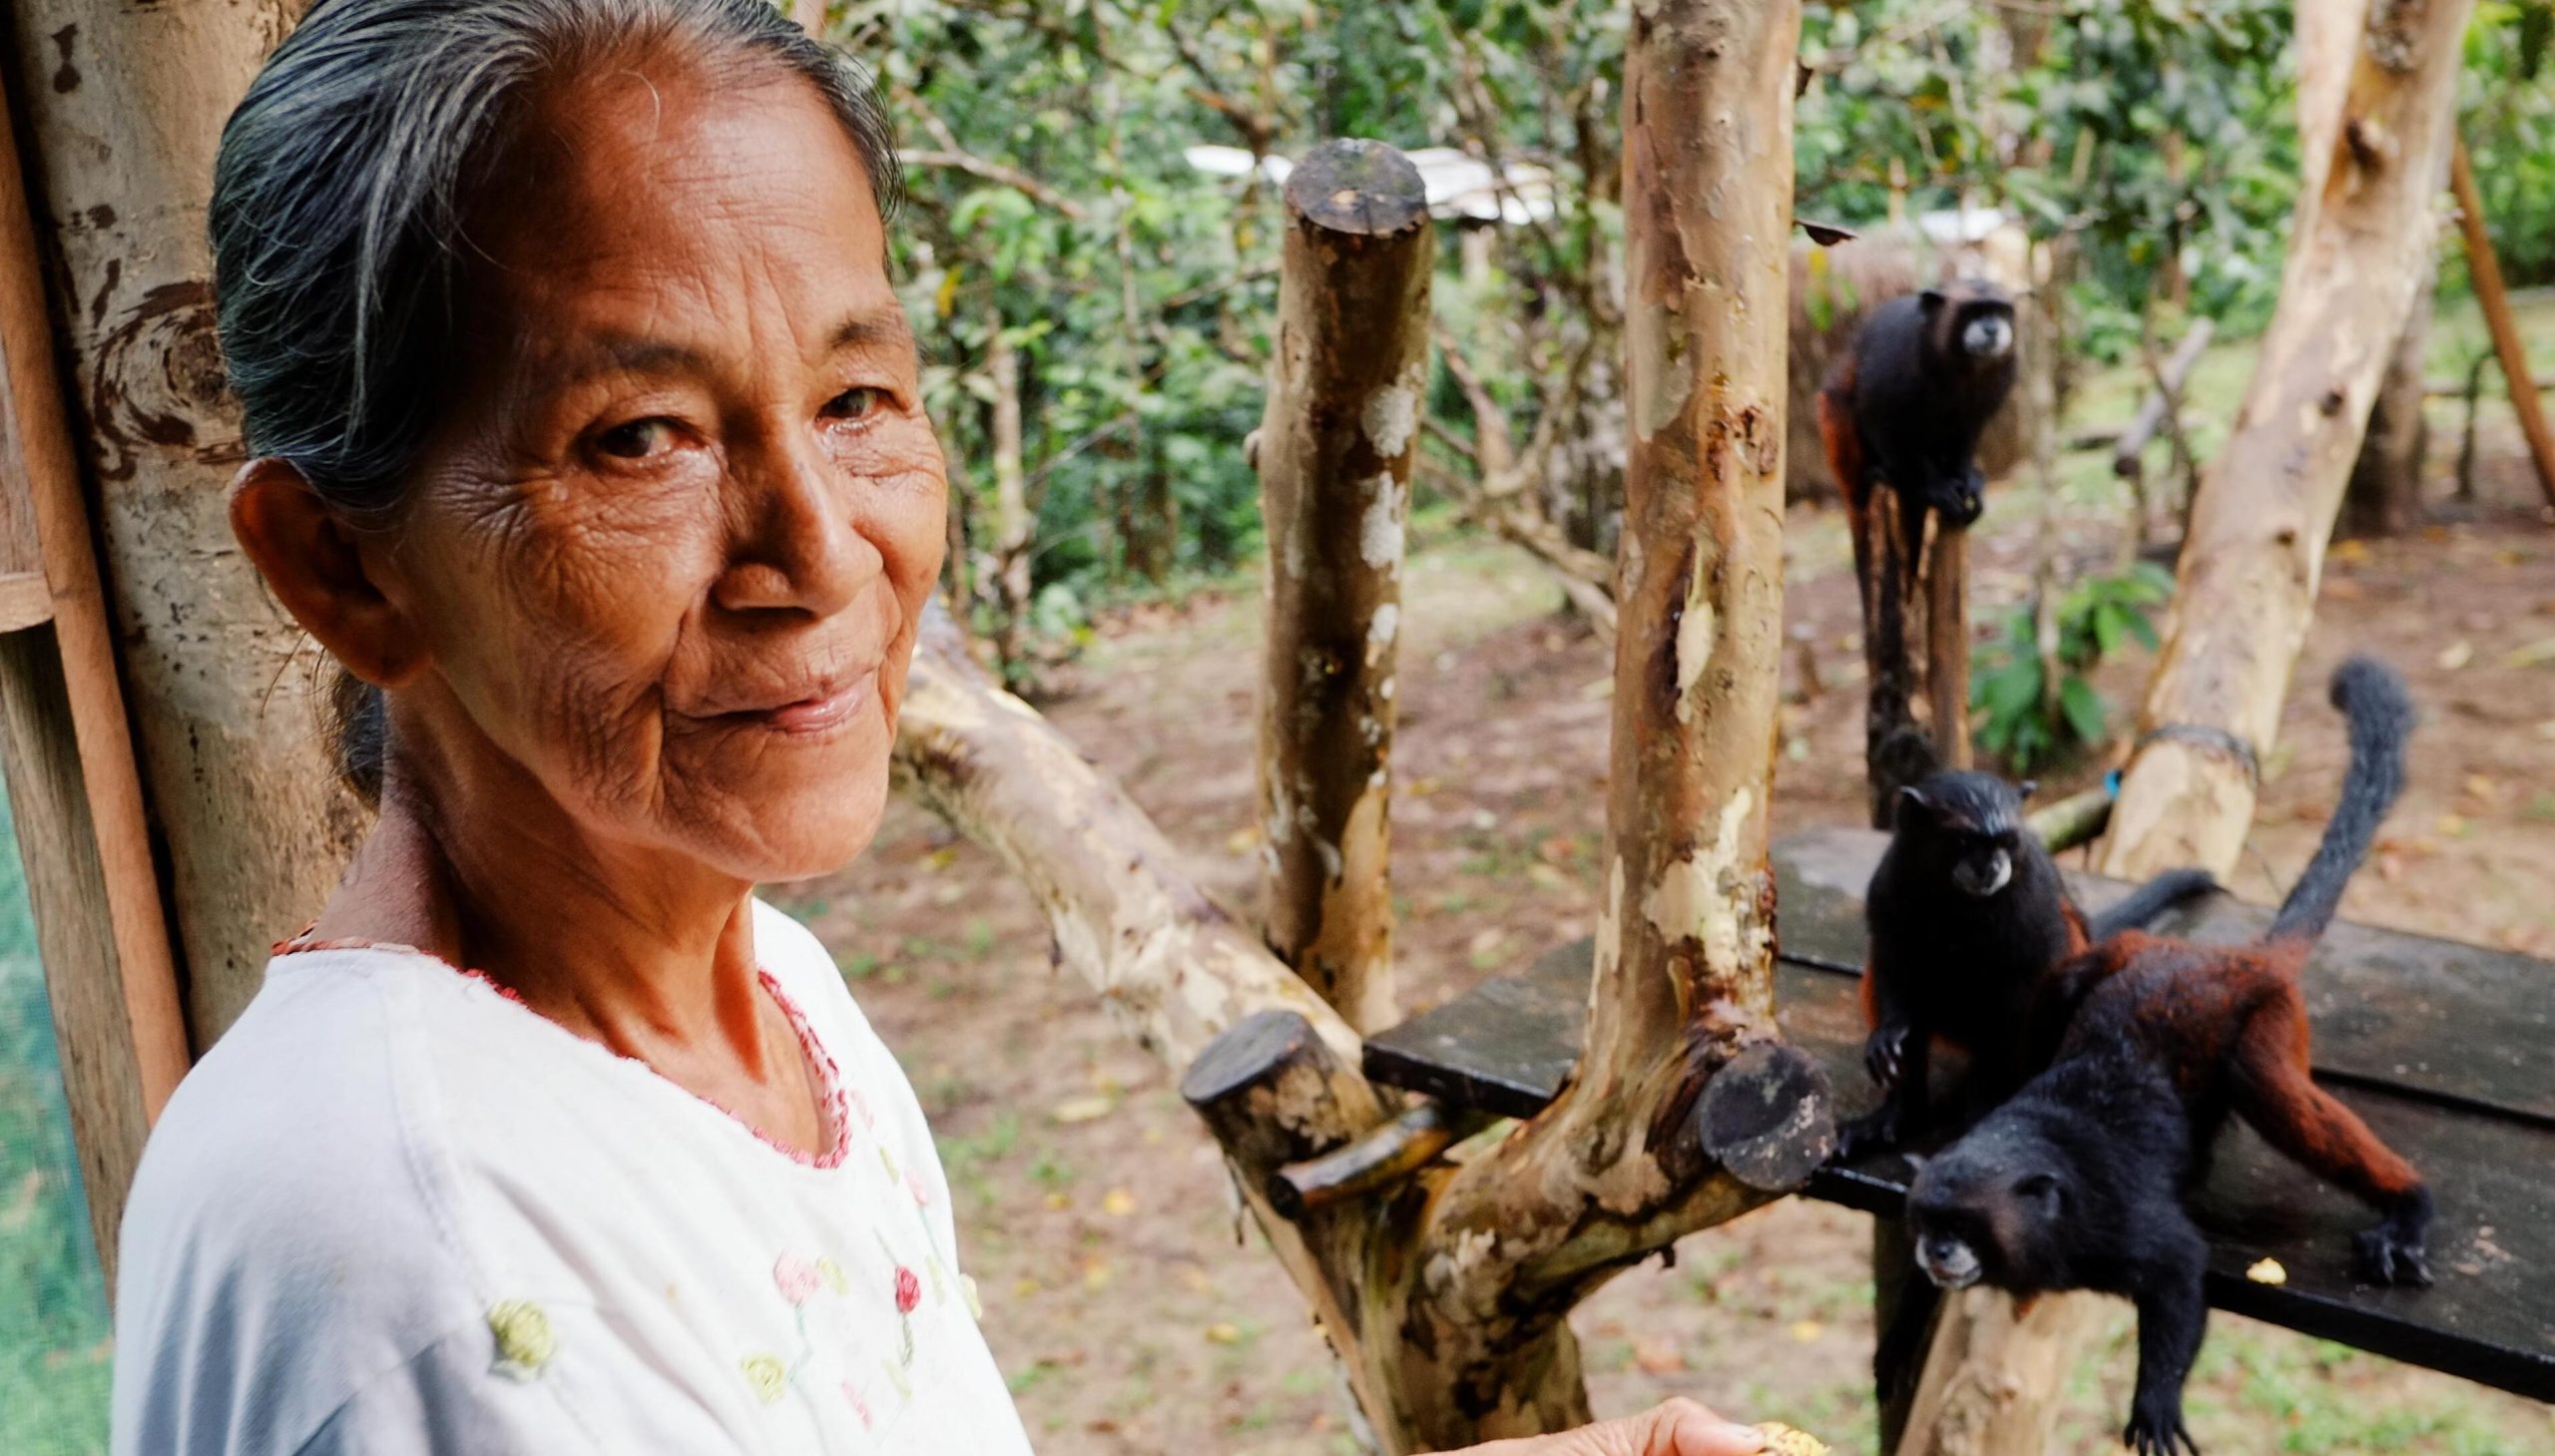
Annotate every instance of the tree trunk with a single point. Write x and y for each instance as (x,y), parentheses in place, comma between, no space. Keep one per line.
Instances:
(1014,529)
(2262,517)
(2384,495)
(2249,567)
(1684,942)
(125,106)
(1335,447)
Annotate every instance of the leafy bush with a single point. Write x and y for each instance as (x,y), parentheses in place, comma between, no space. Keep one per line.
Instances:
(2023,722)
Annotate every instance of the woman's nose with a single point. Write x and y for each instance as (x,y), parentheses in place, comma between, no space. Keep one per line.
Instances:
(802,548)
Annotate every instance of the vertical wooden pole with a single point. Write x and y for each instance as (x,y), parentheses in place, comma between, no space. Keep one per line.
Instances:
(1335,456)
(126,104)
(73,785)
(2486,271)
(1948,644)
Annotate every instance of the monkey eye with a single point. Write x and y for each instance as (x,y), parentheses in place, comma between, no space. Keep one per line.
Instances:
(2040,1188)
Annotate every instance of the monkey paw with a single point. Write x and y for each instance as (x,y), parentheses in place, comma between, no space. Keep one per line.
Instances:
(1886,1055)
(2387,1254)
(2156,1427)
(1880,1128)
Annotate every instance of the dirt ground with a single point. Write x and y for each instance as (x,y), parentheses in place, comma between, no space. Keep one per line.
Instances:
(1135,1315)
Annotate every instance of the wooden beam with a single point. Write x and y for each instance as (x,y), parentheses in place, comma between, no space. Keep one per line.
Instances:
(2486,271)
(99,925)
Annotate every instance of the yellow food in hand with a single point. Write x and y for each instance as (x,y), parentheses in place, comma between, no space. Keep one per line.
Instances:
(2267,1271)
(1784,1440)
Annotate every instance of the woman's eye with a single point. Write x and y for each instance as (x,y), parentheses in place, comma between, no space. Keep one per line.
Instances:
(637,441)
(856,403)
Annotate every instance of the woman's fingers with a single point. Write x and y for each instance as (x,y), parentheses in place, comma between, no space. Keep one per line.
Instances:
(1683,1427)
(1678,1427)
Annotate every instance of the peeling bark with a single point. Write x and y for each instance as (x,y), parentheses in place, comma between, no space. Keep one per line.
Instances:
(1335,448)
(1615,1169)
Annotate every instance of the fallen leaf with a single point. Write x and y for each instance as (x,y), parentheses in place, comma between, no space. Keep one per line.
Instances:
(1118,1203)
(1082,1109)
(1095,1273)
(2536,654)
(1242,841)
(1805,1330)
(1223,1334)
(1658,1356)
(2483,788)
(2344,588)
(2351,551)
(2456,654)
(2267,1271)
(1058,1202)
(1022,1289)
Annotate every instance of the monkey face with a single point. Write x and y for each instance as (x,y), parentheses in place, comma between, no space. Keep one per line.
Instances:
(1987,332)
(1988,1209)
(1973,822)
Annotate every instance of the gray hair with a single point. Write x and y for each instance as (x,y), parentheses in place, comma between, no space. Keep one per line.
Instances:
(338,198)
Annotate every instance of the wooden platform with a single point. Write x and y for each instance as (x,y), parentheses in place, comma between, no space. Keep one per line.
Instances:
(2448,1050)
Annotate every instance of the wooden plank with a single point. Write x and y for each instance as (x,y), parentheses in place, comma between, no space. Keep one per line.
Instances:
(1507,1046)
(100,924)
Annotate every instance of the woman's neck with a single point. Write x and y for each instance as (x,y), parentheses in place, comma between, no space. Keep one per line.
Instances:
(650,957)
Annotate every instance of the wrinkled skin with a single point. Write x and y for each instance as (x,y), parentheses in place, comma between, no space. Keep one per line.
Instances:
(645,615)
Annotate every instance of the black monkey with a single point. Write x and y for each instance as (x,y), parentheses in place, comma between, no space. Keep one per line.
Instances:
(1968,916)
(1904,403)
(2077,1182)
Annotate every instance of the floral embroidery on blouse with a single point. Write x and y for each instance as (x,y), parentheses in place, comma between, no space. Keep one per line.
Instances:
(525,1341)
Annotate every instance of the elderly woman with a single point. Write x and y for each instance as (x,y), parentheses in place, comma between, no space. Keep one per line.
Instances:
(588,443)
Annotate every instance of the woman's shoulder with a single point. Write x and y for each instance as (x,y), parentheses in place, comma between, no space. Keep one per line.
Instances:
(304,1117)
(289,1199)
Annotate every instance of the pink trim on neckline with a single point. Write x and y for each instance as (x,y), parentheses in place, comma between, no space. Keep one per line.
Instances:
(832,1101)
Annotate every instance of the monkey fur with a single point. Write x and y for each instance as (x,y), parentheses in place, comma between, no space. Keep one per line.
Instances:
(1902,408)
(2077,1182)
(1966,917)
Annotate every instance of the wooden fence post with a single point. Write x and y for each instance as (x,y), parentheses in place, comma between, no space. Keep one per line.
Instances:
(1334,455)
(126,104)
(101,931)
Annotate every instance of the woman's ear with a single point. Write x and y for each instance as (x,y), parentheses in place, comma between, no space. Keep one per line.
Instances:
(315,563)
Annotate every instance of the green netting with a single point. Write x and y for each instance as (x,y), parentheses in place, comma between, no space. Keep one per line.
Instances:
(53,1306)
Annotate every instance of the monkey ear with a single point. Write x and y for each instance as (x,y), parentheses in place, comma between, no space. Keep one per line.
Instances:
(1911,798)
(1930,299)
(2023,791)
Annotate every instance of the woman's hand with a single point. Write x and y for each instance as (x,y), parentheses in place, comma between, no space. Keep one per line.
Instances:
(1676,1429)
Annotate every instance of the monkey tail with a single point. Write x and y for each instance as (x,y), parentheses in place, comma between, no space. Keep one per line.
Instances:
(2381,715)
(2148,901)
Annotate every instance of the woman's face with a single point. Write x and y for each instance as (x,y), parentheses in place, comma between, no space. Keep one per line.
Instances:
(668,552)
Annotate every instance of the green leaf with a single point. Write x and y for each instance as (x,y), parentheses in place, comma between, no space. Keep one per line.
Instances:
(2084,708)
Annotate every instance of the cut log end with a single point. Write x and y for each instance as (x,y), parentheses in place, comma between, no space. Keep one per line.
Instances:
(1363,189)
(1252,1053)
(1768,1117)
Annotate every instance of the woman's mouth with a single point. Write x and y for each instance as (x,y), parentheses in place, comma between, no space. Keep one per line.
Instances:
(820,712)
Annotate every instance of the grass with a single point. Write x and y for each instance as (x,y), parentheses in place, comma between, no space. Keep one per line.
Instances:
(54,1365)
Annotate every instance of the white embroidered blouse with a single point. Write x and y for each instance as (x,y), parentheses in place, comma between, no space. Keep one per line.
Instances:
(395,1213)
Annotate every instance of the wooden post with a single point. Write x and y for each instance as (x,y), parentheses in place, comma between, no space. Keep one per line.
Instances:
(73,787)
(124,105)
(1015,528)
(1947,643)
(1335,447)
(2486,271)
